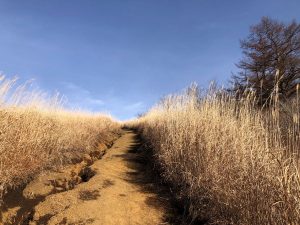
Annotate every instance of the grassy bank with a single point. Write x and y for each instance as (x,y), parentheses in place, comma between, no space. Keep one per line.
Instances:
(230,163)
(37,133)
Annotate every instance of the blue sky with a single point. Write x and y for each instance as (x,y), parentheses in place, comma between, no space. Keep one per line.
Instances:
(122,56)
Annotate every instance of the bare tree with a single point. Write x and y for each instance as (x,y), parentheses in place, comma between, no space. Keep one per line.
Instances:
(271,62)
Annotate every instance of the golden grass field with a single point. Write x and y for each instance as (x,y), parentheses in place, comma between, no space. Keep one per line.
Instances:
(230,163)
(37,133)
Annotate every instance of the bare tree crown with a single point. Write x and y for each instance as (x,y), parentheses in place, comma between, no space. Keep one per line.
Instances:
(271,62)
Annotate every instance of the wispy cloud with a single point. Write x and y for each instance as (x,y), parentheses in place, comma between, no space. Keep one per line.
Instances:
(95,101)
(134,106)
(81,98)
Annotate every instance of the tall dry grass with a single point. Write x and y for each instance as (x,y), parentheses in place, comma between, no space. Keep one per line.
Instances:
(230,162)
(36,133)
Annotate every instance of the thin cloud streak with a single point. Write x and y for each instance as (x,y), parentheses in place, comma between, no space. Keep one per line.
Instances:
(81,97)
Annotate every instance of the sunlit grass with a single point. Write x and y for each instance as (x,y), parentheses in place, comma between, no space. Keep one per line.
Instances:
(37,133)
(230,162)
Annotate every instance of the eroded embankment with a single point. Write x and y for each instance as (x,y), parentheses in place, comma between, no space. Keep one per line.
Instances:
(18,206)
(118,189)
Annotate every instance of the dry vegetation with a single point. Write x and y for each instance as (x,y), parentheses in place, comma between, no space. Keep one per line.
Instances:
(36,133)
(230,162)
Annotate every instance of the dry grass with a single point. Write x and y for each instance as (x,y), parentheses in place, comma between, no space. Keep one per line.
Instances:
(36,133)
(231,163)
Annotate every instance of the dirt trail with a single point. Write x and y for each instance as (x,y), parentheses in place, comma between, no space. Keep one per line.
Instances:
(117,189)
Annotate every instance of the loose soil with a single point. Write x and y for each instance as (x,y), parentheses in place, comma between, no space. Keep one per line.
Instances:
(117,187)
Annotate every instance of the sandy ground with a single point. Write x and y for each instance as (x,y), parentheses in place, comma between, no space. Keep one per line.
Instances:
(116,189)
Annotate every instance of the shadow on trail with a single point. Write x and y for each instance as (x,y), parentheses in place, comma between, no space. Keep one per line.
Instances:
(143,175)
(15,199)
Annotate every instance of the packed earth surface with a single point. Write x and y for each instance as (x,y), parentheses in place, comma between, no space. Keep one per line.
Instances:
(111,186)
